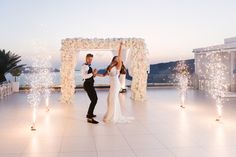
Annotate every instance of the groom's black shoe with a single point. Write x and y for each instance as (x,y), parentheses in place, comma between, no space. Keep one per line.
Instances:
(93,116)
(123,91)
(91,120)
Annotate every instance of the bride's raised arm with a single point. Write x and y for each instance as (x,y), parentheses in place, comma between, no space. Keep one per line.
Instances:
(119,64)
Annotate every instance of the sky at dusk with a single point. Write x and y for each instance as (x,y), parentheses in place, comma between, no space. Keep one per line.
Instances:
(171,28)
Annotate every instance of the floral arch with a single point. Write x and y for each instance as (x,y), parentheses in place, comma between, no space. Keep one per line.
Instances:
(137,62)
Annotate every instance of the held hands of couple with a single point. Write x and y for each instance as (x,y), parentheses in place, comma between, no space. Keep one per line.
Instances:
(95,71)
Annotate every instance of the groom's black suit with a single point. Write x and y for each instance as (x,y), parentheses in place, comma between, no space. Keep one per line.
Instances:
(92,94)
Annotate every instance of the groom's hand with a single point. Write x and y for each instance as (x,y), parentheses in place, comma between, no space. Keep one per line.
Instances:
(95,72)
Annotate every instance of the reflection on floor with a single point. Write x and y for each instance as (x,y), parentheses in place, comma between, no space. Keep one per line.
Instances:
(161,128)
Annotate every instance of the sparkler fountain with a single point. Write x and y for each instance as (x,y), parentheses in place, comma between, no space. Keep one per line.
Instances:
(182,77)
(47,81)
(39,80)
(216,71)
(47,94)
(34,95)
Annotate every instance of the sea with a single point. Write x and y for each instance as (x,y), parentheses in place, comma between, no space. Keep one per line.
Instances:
(99,81)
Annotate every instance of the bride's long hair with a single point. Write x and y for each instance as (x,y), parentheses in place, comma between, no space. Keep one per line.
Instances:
(111,65)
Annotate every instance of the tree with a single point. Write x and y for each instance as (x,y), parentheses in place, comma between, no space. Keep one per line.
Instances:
(8,62)
(16,72)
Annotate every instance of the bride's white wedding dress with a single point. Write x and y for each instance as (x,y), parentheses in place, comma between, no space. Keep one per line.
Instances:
(114,113)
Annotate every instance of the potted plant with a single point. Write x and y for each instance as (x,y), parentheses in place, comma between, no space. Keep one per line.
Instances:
(8,62)
(16,73)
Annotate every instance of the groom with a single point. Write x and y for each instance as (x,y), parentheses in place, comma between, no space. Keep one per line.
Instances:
(88,75)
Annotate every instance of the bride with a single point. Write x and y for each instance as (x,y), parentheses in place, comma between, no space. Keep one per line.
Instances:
(114,113)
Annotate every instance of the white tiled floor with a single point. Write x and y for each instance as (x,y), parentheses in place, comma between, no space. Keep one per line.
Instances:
(161,128)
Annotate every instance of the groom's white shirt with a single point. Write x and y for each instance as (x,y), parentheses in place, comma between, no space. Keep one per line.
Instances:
(84,72)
